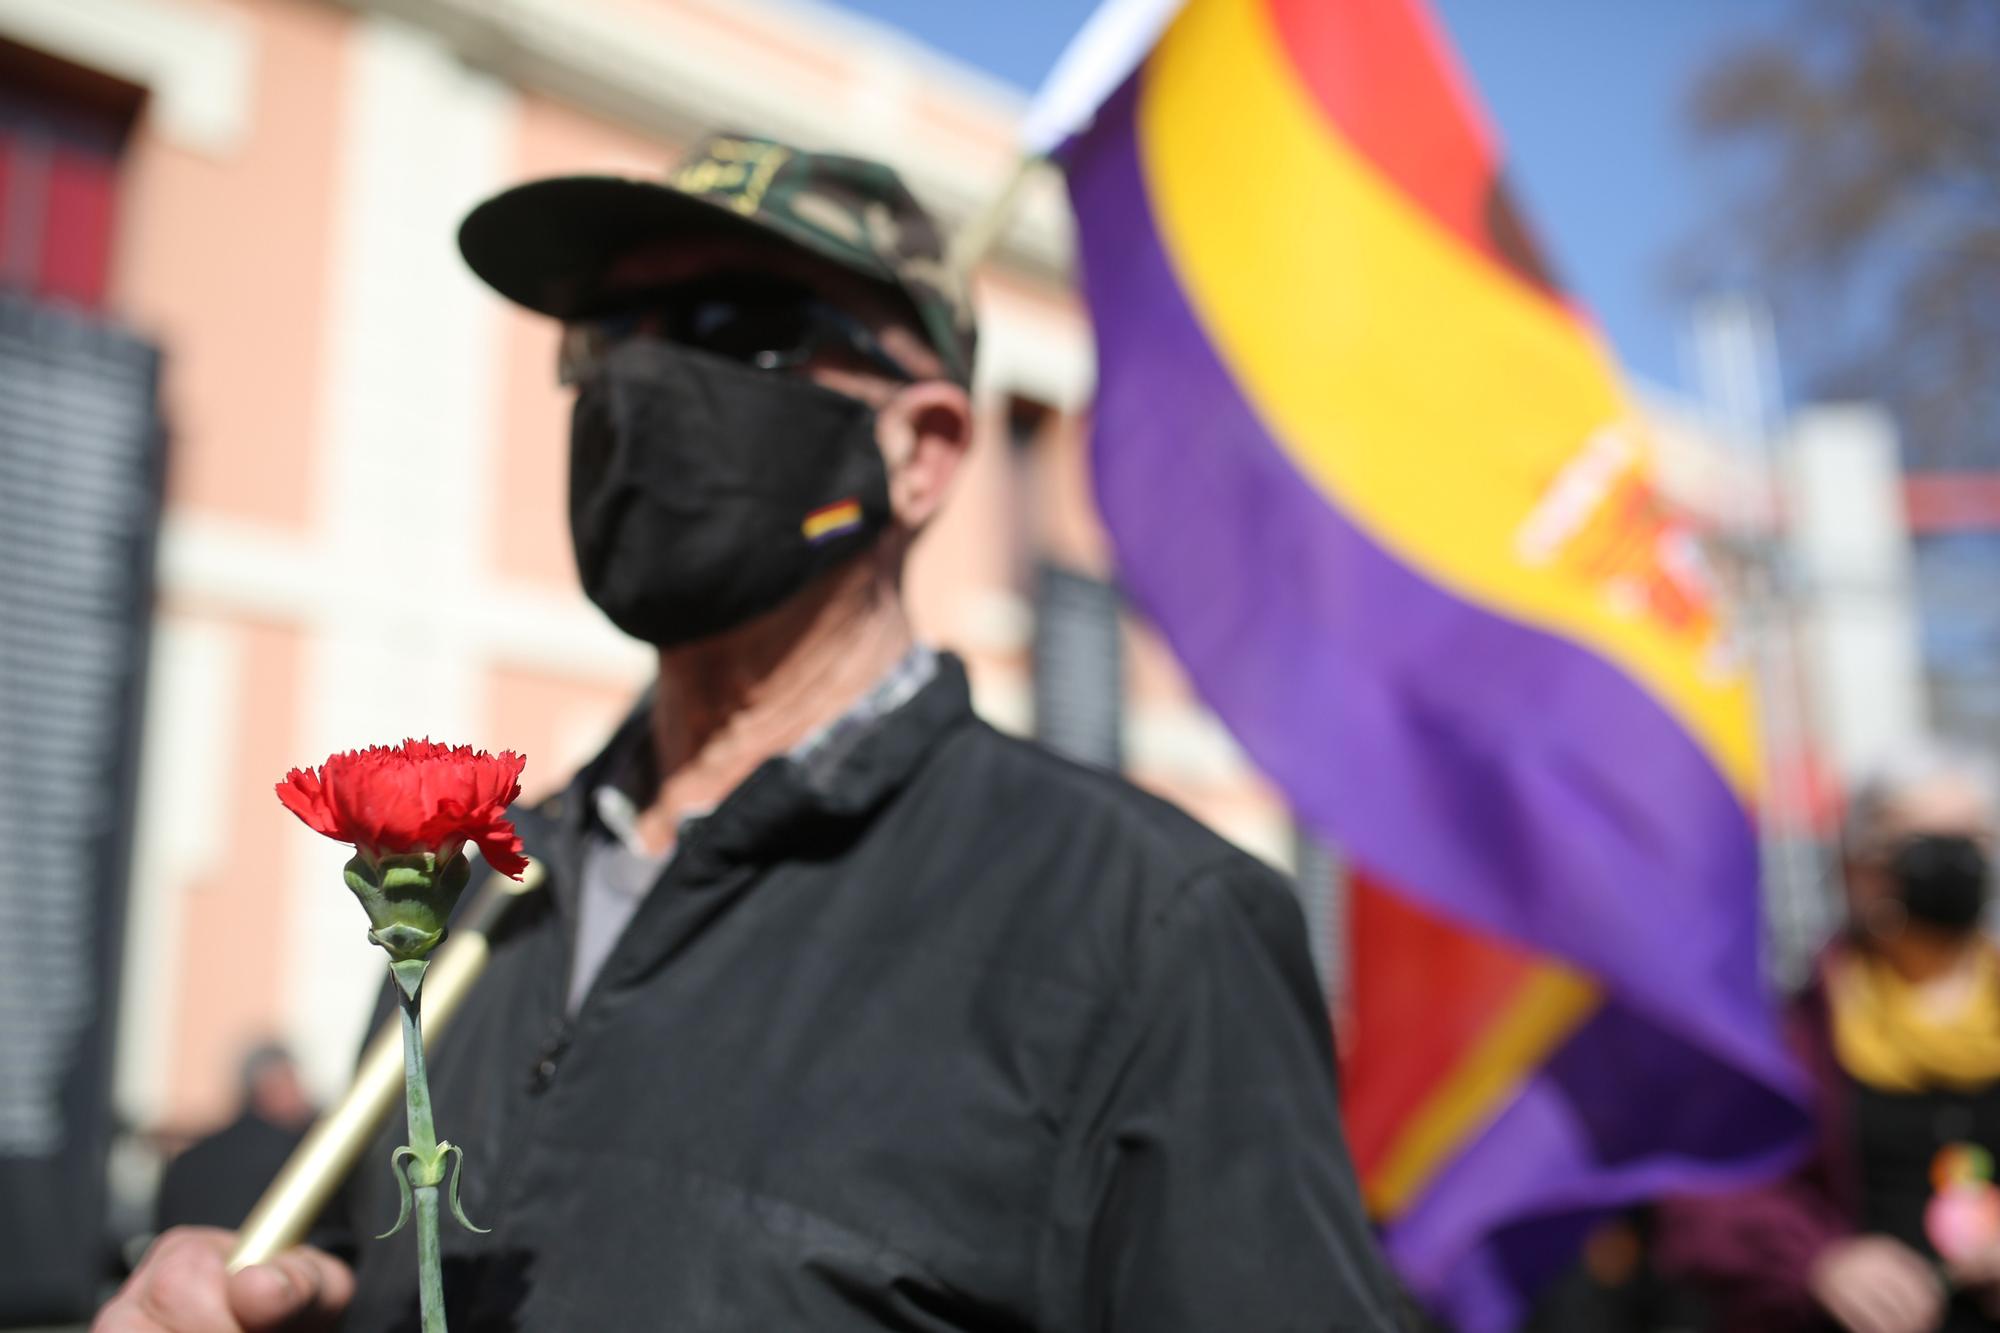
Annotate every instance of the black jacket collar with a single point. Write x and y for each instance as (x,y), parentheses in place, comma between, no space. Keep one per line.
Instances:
(770,808)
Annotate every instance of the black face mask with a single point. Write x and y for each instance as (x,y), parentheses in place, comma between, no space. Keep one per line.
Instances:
(703,492)
(1941,879)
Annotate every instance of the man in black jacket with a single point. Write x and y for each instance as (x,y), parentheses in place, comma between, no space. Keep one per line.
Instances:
(843,1010)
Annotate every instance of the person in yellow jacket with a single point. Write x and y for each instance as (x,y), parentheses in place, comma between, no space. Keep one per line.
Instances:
(1892,1224)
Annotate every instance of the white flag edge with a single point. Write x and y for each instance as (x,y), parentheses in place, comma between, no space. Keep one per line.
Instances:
(1106,49)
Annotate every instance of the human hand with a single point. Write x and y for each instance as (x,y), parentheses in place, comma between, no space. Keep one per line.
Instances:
(184,1286)
(1873,1284)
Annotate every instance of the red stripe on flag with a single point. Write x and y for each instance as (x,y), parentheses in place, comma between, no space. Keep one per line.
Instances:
(1382,72)
(1422,994)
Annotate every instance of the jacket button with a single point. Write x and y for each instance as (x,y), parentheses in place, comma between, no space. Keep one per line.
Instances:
(544,1072)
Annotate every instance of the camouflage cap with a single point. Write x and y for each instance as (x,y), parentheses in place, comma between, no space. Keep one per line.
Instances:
(548,243)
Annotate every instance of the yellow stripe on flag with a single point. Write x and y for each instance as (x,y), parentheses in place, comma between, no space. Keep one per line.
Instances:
(1551,1004)
(1472,427)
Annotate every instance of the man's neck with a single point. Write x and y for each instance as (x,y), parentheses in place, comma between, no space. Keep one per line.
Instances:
(727,703)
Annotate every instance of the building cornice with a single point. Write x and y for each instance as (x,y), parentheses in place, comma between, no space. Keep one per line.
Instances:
(661,70)
(197,62)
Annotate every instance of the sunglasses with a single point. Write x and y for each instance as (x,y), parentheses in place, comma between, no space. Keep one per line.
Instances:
(761,322)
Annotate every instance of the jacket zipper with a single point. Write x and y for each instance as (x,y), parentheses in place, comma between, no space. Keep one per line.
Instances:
(549,1058)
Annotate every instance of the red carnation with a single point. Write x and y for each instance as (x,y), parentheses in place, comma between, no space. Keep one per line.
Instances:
(414,797)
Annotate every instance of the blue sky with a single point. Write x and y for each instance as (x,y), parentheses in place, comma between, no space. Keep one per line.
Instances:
(1587,95)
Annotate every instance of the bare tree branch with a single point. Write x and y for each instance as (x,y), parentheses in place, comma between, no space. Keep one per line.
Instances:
(1870,136)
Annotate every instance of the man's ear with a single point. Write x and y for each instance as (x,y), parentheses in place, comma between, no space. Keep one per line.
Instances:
(924,431)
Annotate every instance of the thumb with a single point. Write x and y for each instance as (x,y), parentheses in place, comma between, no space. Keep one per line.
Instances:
(302,1288)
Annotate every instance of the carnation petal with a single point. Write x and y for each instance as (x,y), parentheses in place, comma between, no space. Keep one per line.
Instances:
(501,847)
(417,796)
(302,794)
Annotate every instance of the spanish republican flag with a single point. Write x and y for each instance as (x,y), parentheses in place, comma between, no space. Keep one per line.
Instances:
(1370,470)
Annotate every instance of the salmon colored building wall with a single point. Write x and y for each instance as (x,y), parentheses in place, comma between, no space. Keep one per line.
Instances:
(224,261)
(215,1014)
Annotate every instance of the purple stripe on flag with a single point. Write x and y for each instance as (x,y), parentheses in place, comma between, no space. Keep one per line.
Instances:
(1503,775)
(1624,1111)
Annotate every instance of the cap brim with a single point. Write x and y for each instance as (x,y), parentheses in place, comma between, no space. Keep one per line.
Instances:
(546,244)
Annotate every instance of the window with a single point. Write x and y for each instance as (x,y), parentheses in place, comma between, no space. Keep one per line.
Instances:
(62,132)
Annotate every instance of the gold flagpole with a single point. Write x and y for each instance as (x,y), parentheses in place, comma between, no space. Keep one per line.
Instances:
(983,230)
(336,1141)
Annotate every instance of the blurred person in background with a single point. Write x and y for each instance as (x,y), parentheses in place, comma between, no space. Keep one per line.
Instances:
(217,1179)
(1892,1222)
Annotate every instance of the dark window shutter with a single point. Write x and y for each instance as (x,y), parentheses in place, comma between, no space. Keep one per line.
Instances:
(1322,889)
(80,472)
(1079,666)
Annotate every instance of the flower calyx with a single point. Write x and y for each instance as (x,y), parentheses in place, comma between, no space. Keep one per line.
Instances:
(421,1170)
(408,897)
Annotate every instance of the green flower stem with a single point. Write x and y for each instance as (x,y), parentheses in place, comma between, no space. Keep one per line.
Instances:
(409,897)
(423,1145)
